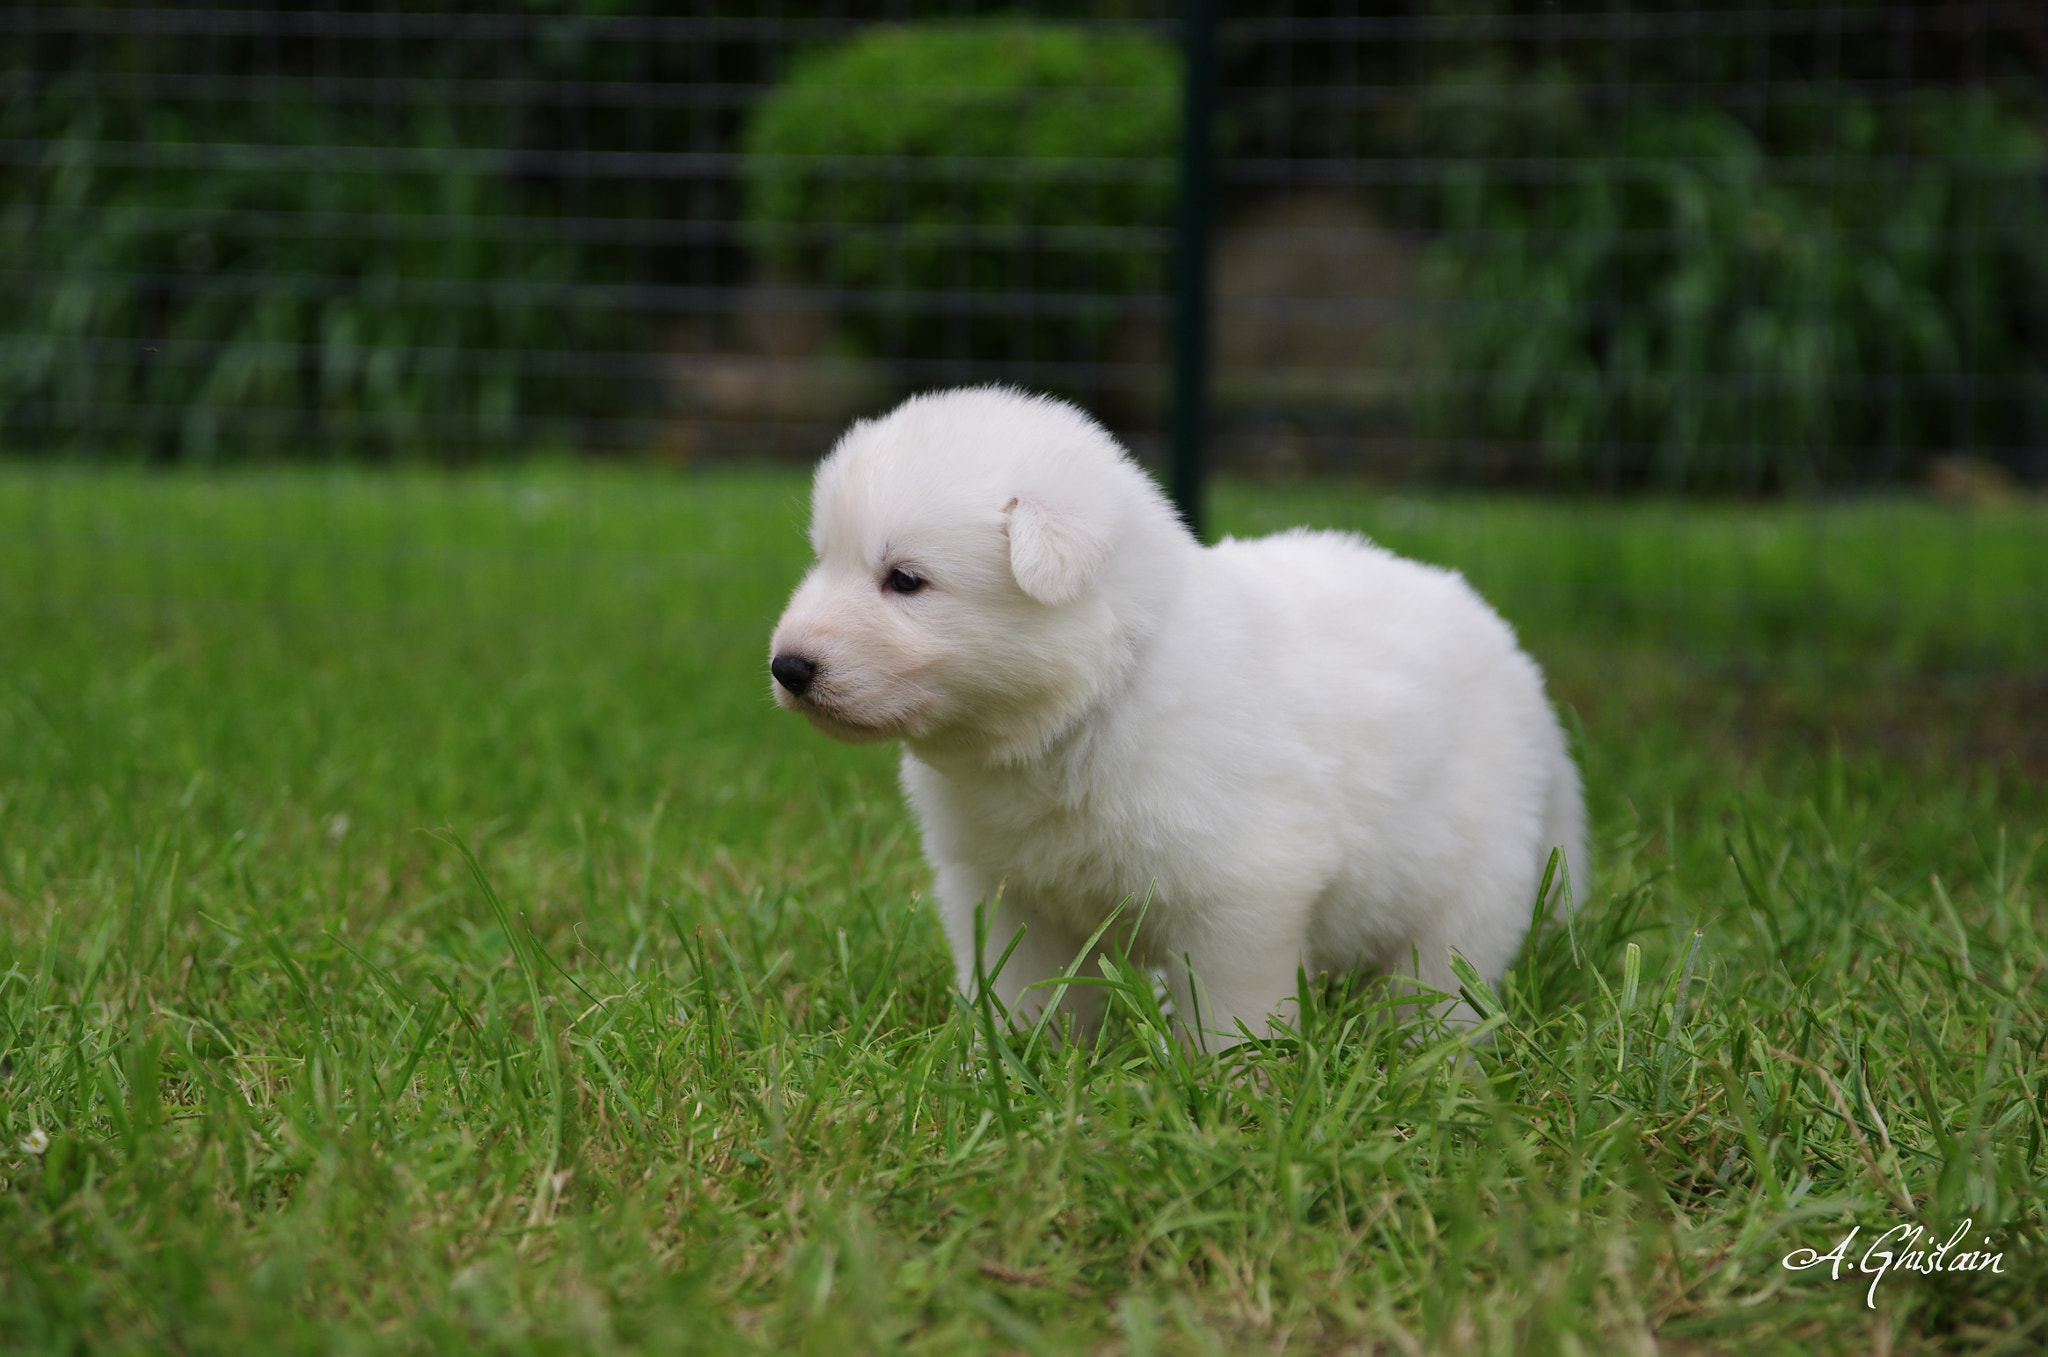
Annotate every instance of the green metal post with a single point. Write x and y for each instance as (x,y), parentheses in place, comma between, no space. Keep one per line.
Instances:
(1190,424)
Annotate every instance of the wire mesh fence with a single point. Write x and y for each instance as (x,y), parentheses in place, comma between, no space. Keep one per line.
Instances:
(1748,247)
(1641,249)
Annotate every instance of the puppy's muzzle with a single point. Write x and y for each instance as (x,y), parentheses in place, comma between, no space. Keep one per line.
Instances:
(793,672)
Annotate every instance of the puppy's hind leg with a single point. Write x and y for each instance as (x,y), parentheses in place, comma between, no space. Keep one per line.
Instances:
(1431,996)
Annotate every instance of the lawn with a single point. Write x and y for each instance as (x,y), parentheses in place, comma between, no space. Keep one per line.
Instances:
(420,932)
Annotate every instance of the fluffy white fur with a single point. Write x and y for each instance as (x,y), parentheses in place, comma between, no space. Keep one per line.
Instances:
(1302,751)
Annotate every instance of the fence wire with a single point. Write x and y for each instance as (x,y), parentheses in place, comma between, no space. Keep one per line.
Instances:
(1616,247)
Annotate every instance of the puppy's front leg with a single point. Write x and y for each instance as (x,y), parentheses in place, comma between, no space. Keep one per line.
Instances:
(1218,982)
(1042,953)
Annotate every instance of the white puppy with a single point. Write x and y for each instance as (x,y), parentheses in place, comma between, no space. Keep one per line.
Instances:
(1299,751)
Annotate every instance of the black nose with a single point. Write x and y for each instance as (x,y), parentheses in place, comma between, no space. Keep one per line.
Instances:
(793,672)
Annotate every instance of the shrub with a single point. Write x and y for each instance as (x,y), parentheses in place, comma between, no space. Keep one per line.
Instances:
(1663,300)
(986,190)
(218,279)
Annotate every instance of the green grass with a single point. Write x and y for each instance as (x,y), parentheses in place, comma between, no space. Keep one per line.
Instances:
(677,1069)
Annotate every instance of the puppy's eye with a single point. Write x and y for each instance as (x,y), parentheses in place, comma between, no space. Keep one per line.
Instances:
(903,582)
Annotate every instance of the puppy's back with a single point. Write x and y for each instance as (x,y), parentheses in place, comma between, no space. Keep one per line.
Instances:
(1421,684)
(1357,605)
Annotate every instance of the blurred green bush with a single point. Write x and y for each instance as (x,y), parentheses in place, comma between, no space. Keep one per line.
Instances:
(1672,299)
(987,190)
(204,254)
(199,300)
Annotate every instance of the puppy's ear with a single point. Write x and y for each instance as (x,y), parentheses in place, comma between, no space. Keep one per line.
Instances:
(1053,555)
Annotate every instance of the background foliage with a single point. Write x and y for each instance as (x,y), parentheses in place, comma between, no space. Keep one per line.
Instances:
(1683,246)
(995,188)
(216,251)
(1669,299)
(217,304)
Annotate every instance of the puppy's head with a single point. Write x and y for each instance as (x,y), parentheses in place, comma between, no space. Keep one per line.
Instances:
(966,594)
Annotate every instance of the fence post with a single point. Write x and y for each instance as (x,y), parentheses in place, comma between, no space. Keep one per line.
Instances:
(1190,424)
